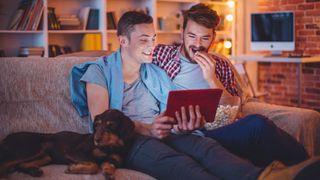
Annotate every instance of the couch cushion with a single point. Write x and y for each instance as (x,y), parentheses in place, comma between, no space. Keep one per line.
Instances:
(34,96)
(54,172)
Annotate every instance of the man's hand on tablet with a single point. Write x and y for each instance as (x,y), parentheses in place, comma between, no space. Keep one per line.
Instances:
(162,125)
(195,121)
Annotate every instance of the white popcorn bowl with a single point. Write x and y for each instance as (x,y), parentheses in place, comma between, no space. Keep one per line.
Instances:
(227,111)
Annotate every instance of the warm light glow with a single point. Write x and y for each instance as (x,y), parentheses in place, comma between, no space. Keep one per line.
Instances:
(229,17)
(230,4)
(227,44)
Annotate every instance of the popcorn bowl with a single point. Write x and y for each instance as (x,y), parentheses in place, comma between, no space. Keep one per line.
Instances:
(227,111)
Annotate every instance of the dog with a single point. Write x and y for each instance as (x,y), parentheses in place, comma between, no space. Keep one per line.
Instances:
(105,149)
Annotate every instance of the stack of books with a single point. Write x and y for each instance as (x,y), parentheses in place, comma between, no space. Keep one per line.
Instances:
(31,51)
(69,22)
(27,16)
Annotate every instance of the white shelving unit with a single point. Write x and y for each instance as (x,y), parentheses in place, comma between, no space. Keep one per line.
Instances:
(11,41)
(226,29)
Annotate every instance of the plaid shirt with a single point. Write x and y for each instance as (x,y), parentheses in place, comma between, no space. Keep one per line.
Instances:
(167,58)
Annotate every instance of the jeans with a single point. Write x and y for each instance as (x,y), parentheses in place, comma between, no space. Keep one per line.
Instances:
(259,140)
(187,157)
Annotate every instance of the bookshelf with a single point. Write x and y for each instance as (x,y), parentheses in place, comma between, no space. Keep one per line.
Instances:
(165,11)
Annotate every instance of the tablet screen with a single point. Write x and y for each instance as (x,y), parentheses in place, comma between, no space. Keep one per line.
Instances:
(207,99)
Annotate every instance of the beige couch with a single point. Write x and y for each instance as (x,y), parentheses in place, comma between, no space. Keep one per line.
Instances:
(34,96)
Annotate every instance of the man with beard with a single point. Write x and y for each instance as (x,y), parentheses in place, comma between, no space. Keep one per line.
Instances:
(126,80)
(190,66)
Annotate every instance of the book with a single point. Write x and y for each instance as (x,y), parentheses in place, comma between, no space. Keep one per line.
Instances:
(53,23)
(111,22)
(31,51)
(17,17)
(38,18)
(28,15)
(93,19)
(55,20)
(83,16)
(50,20)
(54,50)
(69,20)
(31,16)
(27,5)
(35,15)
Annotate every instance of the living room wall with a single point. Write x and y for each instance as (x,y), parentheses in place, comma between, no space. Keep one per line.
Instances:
(280,79)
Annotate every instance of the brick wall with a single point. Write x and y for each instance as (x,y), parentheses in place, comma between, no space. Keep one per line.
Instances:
(280,79)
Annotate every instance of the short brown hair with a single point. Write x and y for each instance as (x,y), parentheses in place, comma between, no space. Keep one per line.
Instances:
(129,19)
(201,14)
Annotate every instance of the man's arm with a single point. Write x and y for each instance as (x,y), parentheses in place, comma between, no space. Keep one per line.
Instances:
(98,99)
(226,74)
(165,56)
(208,66)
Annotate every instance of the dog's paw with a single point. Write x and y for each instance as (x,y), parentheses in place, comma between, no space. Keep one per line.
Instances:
(108,170)
(83,168)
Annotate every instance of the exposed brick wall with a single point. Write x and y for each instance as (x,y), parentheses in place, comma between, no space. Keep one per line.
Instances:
(280,79)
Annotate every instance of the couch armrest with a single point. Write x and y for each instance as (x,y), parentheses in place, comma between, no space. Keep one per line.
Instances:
(303,124)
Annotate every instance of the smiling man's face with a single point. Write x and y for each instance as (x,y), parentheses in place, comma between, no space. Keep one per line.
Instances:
(142,42)
(196,38)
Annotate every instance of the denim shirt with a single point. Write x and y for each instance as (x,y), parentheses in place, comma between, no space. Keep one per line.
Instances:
(154,78)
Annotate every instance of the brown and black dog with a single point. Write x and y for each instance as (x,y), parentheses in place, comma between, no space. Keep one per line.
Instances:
(84,153)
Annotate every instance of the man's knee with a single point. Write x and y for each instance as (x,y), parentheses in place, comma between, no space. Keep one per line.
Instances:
(260,123)
(258,120)
(206,144)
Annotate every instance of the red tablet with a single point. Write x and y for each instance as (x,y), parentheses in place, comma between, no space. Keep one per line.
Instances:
(207,99)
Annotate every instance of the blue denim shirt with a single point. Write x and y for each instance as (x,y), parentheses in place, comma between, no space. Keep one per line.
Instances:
(154,78)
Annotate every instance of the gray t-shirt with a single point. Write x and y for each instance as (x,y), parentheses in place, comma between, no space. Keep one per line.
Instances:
(138,103)
(190,76)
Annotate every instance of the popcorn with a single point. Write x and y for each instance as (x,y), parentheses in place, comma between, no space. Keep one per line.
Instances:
(226,114)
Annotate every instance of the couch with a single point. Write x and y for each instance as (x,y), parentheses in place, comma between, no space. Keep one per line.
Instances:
(34,96)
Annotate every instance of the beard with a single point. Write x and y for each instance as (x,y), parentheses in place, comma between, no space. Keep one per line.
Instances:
(194,49)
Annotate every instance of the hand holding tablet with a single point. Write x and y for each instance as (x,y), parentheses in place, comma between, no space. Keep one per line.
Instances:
(207,99)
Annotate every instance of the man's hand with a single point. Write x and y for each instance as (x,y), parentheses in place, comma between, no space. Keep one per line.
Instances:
(186,125)
(161,126)
(208,66)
